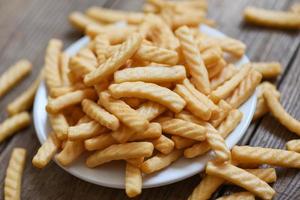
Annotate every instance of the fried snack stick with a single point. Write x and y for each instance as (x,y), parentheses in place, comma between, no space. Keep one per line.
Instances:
(64,68)
(218,145)
(211,56)
(79,67)
(238,196)
(280,114)
(149,91)
(267,69)
(241,178)
(14,75)
(123,112)
(193,104)
(224,90)
(160,161)
(81,21)
(25,100)
(101,47)
(120,152)
(137,162)
(227,73)
(133,180)
(259,155)
(97,113)
(156,54)
(51,66)
(245,89)
(152,74)
(232,46)
(163,144)
(70,152)
(195,64)
(59,125)
(46,151)
(14,124)
(105,15)
(293,145)
(216,68)
(133,102)
(69,99)
(14,171)
(85,130)
(184,129)
(181,142)
(266,174)
(271,18)
(126,50)
(59,91)
(225,108)
(226,127)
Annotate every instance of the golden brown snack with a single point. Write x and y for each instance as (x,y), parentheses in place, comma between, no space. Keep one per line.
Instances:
(241,178)
(195,64)
(149,91)
(238,196)
(215,69)
(14,75)
(227,73)
(64,68)
(259,155)
(85,131)
(99,142)
(218,145)
(101,47)
(267,69)
(137,162)
(160,161)
(280,113)
(133,180)
(70,152)
(120,152)
(181,142)
(152,74)
(81,21)
(14,171)
(272,18)
(151,110)
(211,56)
(126,50)
(59,125)
(13,124)
(266,174)
(293,145)
(163,144)
(153,132)
(225,108)
(232,46)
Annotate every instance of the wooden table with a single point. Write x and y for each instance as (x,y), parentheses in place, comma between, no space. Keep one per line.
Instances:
(27,25)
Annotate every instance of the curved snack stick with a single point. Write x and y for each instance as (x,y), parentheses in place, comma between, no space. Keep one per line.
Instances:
(85,130)
(193,59)
(100,142)
(163,144)
(126,50)
(293,145)
(46,151)
(280,114)
(160,161)
(52,56)
(218,145)
(13,124)
(245,89)
(64,68)
(208,185)
(157,55)
(193,104)
(120,152)
(184,129)
(149,91)
(267,69)
(238,196)
(123,112)
(181,142)
(216,69)
(266,174)
(97,113)
(14,171)
(14,75)
(241,178)
(81,21)
(259,155)
(211,56)
(25,100)
(59,91)
(224,90)
(153,132)
(225,108)
(197,150)
(272,18)
(101,46)
(69,99)
(232,46)
(227,73)
(152,74)
(187,116)
(151,110)
(88,55)
(71,151)
(59,125)
(133,180)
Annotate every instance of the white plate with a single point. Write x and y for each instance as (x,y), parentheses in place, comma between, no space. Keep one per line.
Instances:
(112,174)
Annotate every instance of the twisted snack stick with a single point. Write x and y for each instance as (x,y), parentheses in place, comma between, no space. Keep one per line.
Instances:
(100,142)
(238,196)
(126,50)
(225,109)
(293,145)
(216,68)
(46,151)
(259,155)
(101,46)
(80,66)
(266,174)
(123,112)
(13,125)
(241,178)
(160,161)
(182,143)
(71,151)
(151,110)
(232,46)
(81,21)
(267,69)
(280,114)
(14,171)
(133,180)
(88,54)
(227,73)
(163,144)
(120,152)
(218,145)
(14,75)
(64,68)
(193,59)
(153,132)
(52,73)
(153,74)
(211,56)
(59,125)
(59,91)
(184,129)
(136,162)
(187,116)
(149,91)
(97,113)
(85,131)
(245,89)
(157,55)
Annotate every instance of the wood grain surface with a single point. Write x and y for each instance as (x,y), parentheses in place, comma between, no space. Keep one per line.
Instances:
(26,26)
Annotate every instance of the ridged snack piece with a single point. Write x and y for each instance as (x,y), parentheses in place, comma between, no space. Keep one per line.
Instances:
(181,142)
(85,130)
(163,144)
(70,152)
(101,47)
(59,125)
(133,180)
(151,110)
(226,74)
(267,69)
(81,21)
(99,142)
(225,108)
(232,46)
(293,145)
(218,145)
(148,91)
